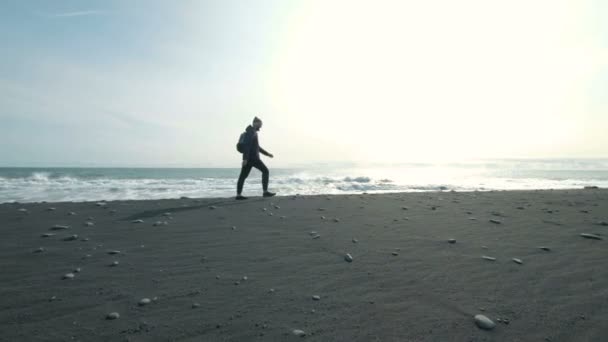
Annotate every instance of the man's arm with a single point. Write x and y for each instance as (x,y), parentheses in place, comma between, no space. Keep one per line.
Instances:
(264,152)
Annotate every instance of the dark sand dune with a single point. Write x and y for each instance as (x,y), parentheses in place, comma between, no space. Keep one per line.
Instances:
(406,281)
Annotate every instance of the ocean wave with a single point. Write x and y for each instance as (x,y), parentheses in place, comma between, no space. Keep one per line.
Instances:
(105,185)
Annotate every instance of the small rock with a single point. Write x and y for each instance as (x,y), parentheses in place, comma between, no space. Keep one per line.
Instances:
(144,301)
(316,297)
(114,263)
(244,278)
(68,276)
(271,291)
(316,236)
(495,221)
(167,214)
(52,298)
(39,250)
(89,224)
(355,240)
(336,220)
(452,241)
(113,316)
(591,236)
(77,270)
(322,217)
(138,221)
(212,207)
(405,208)
(603,223)
(348,257)
(545,248)
(395,253)
(71,238)
(517,261)
(485,257)
(86,256)
(299,332)
(59,227)
(100,204)
(484,322)
(196,305)
(71,213)
(23,210)
(51,209)
(47,235)
(113,252)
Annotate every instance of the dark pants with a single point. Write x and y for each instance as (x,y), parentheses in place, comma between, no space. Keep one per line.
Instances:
(258,164)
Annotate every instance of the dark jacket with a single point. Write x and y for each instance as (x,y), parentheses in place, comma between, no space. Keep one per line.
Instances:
(252,145)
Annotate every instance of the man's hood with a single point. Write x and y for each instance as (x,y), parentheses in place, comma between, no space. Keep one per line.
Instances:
(250,128)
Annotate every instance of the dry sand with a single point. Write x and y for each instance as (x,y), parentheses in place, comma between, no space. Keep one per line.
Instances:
(406,282)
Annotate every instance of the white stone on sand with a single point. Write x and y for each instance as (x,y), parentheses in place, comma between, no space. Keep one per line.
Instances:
(144,301)
(517,261)
(485,257)
(59,227)
(484,322)
(348,257)
(113,316)
(138,221)
(299,332)
(316,297)
(68,276)
(591,236)
(495,221)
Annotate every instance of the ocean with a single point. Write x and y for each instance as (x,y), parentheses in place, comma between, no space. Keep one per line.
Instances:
(95,184)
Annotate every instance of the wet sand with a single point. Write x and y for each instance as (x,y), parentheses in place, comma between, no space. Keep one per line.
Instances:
(222,270)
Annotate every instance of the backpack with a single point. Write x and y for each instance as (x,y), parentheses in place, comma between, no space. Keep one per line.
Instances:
(240,145)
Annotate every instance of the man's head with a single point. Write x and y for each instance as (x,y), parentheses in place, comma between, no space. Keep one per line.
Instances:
(257,123)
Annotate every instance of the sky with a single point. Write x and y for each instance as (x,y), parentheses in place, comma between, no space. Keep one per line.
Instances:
(174,83)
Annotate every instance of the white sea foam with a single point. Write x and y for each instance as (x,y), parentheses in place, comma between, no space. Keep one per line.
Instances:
(26,185)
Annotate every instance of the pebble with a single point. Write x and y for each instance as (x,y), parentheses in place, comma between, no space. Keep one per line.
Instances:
(47,234)
(137,221)
(59,227)
(591,236)
(212,207)
(277,207)
(452,240)
(51,209)
(283,217)
(517,261)
(322,217)
(348,257)
(316,236)
(395,253)
(355,240)
(114,263)
(86,256)
(23,210)
(405,208)
(113,252)
(245,278)
(603,223)
(336,220)
(271,291)
(484,322)
(100,204)
(299,332)
(113,315)
(77,270)
(144,301)
(167,214)
(71,238)
(196,305)
(39,250)
(316,297)
(495,221)
(485,257)
(89,224)
(71,213)
(545,248)
(68,276)
(160,223)
(233,227)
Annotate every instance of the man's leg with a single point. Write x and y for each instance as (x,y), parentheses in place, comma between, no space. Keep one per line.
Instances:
(244,174)
(265,174)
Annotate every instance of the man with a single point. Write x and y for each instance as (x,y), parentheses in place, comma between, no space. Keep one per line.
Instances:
(251,158)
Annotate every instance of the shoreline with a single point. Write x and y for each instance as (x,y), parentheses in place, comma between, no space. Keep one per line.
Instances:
(227,270)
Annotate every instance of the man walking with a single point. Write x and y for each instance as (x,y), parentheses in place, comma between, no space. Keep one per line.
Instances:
(249,145)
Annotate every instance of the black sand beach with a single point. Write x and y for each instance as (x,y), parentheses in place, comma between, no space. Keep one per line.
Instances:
(221,270)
